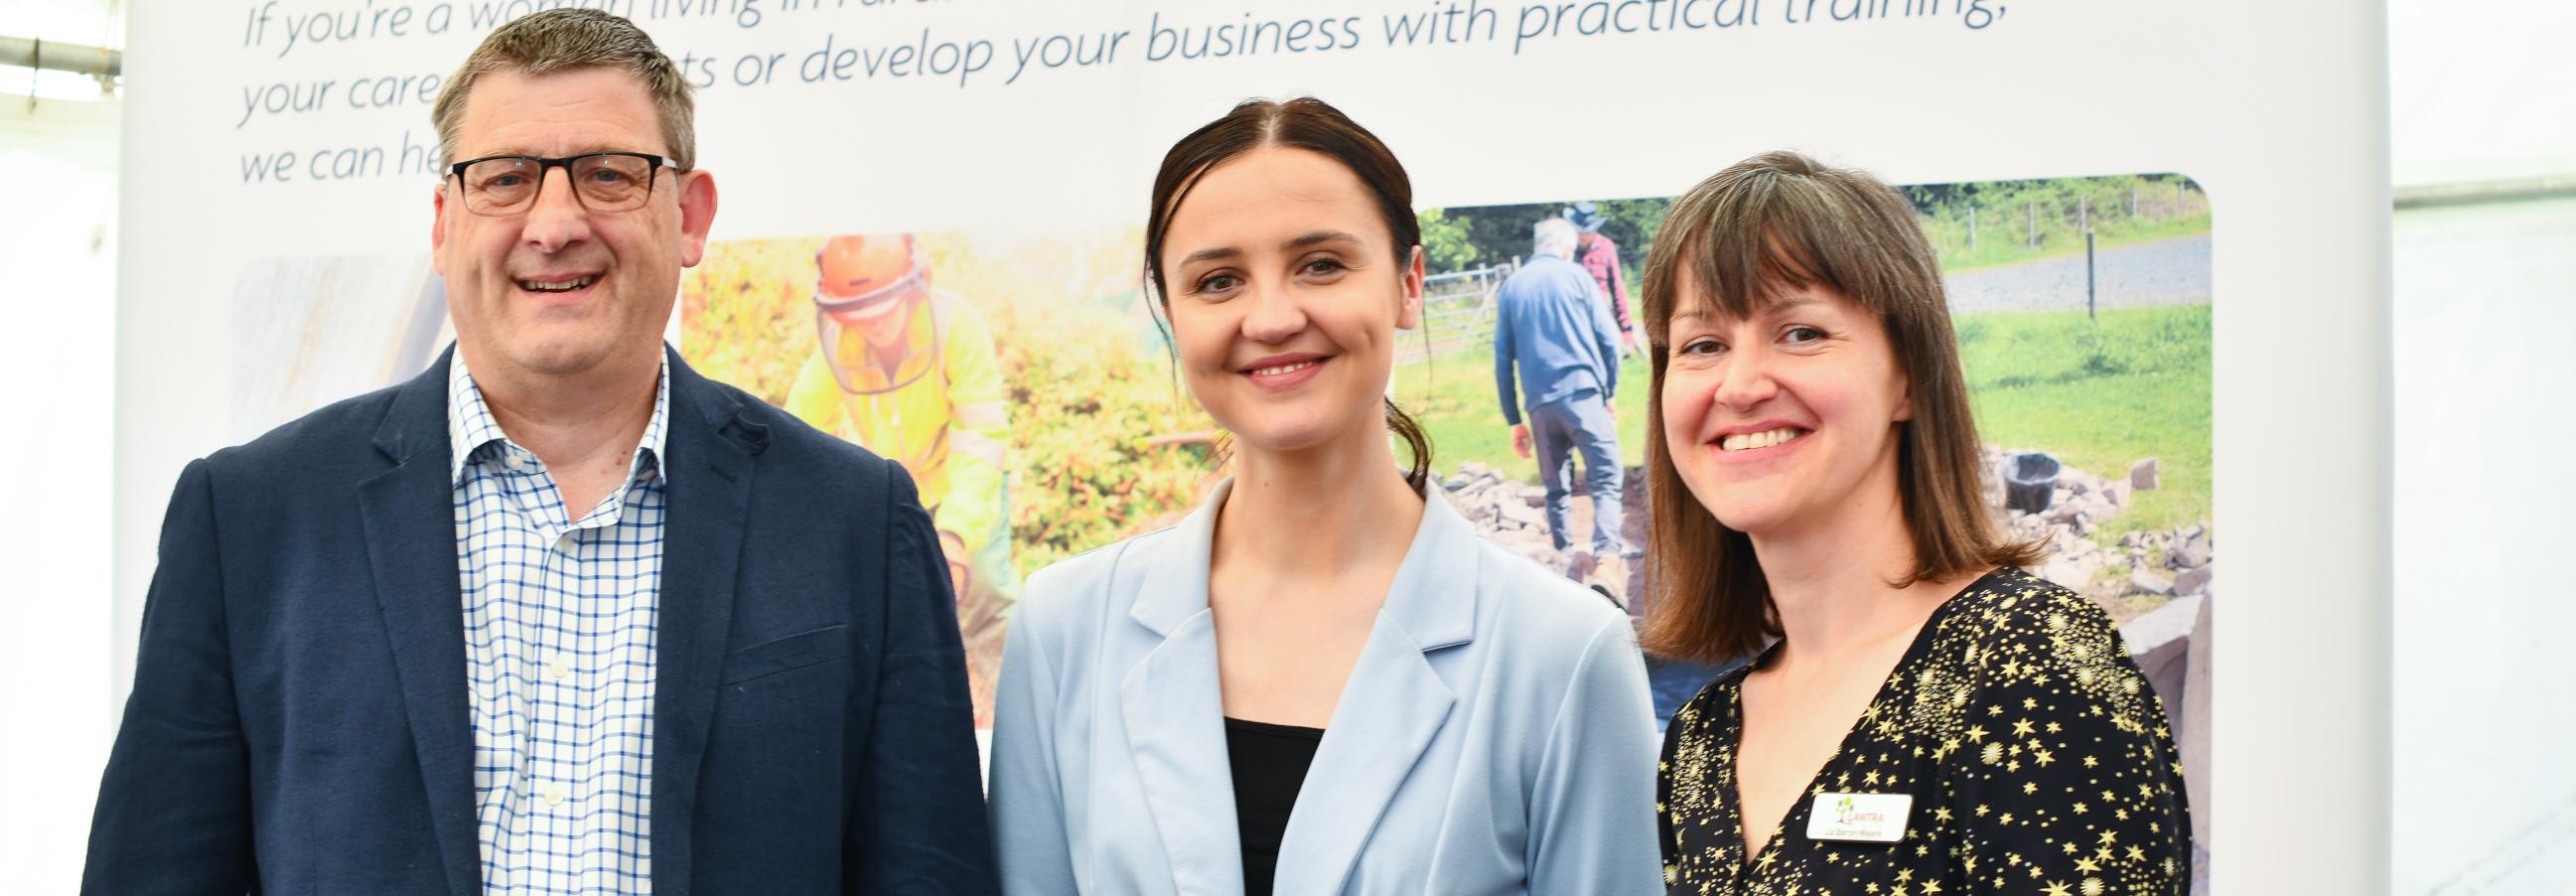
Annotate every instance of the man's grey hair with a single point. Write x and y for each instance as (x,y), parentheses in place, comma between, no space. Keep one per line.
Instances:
(1553,236)
(564,39)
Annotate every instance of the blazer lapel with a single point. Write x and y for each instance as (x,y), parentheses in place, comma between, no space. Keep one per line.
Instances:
(1393,706)
(1175,716)
(709,470)
(408,514)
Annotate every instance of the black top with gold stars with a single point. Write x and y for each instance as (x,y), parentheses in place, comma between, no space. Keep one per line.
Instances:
(2037,758)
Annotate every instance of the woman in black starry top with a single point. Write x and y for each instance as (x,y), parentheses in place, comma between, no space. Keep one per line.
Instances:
(1920,716)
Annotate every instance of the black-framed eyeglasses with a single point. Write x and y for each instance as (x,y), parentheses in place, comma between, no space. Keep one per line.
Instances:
(601,181)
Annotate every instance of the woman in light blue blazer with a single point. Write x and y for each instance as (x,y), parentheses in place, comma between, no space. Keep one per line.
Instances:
(1322,681)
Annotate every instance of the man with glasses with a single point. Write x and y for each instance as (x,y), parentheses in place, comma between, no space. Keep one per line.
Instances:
(559,615)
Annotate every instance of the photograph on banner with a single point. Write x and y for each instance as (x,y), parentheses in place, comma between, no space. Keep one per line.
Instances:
(2082,307)
(310,331)
(1020,380)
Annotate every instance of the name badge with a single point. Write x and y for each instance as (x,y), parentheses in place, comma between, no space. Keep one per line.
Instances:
(1859,817)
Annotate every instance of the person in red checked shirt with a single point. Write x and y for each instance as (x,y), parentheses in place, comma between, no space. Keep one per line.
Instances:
(1597,254)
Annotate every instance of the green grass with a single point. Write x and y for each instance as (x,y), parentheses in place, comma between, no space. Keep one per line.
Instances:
(2099,396)
(1996,249)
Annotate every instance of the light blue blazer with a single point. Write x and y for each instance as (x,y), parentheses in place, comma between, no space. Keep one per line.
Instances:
(1495,737)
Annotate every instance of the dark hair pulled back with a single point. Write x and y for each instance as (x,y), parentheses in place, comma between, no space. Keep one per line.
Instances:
(1315,126)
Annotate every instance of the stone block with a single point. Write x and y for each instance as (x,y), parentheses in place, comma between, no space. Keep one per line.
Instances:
(2194,580)
(2147,581)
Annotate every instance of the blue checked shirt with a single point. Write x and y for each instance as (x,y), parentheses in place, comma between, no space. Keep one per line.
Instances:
(559,623)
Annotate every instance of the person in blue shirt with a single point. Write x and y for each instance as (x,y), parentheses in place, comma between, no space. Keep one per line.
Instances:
(1322,681)
(1552,323)
(558,616)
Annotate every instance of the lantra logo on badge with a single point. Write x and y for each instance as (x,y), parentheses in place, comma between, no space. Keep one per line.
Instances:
(1845,812)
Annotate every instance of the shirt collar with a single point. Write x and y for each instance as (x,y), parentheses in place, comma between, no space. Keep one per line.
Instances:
(470,425)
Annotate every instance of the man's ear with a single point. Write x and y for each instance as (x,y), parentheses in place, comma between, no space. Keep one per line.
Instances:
(438,228)
(697,215)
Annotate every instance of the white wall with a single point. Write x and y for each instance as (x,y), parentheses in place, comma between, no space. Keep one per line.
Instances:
(57,695)
(2483,797)
(2481,91)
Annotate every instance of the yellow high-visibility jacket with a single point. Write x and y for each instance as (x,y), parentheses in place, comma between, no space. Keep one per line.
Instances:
(946,425)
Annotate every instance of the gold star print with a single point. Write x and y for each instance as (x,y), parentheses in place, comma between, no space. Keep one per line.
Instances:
(1929,705)
(2109,836)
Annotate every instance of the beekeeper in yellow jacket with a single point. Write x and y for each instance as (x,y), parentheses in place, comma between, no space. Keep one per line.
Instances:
(910,373)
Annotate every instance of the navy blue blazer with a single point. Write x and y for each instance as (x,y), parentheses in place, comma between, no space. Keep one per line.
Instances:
(299,720)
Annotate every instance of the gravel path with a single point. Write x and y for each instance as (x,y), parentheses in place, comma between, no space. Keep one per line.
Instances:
(2164,272)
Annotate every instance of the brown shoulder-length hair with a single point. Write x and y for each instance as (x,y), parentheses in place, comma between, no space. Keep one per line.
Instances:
(1781,222)
(1303,123)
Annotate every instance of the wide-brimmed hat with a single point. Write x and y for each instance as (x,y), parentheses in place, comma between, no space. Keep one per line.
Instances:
(1585,216)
